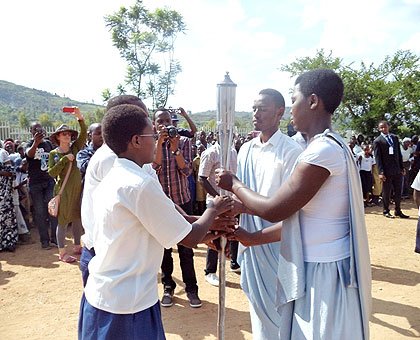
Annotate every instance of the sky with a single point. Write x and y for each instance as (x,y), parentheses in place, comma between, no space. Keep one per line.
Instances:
(64,47)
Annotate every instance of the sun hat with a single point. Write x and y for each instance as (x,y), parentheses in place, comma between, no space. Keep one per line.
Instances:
(62,128)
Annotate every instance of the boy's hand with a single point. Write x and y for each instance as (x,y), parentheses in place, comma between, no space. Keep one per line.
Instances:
(174,142)
(182,112)
(241,235)
(225,179)
(224,223)
(216,245)
(39,137)
(222,204)
(162,133)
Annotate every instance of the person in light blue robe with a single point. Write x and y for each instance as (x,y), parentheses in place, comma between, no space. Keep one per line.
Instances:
(264,163)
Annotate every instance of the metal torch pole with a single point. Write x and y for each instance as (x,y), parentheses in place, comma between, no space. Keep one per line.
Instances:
(225,125)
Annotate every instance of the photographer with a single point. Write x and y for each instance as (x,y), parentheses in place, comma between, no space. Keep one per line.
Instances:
(41,185)
(173,165)
(182,132)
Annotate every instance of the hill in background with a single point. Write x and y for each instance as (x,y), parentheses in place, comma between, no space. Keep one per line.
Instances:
(15,99)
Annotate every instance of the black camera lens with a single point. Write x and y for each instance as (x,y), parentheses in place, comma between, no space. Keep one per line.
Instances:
(172,131)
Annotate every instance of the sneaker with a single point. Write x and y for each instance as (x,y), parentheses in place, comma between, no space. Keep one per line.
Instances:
(212,279)
(53,243)
(194,300)
(46,246)
(167,298)
(235,267)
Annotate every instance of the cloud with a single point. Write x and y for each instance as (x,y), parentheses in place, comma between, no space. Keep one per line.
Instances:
(64,47)
(357,28)
(255,22)
(413,43)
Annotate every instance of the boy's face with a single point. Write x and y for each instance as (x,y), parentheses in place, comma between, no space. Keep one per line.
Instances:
(200,149)
(148,144)
(384,128)
(162,118)
(97,139)
(366,149)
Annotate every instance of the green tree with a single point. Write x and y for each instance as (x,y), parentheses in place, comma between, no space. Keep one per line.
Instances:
(45,120)
(23,120)
(211,125)
(98,115)
(372,93)
(106,95)
(146,41)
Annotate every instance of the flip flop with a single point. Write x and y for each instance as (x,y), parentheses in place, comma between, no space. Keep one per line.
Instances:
(67,258)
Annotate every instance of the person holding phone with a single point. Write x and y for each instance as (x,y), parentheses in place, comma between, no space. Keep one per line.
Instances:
(59,161)
(41,185)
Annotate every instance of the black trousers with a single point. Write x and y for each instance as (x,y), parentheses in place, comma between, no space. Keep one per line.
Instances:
(392,181)
(186,257)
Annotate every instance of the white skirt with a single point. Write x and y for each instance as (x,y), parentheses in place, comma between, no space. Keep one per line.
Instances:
(330,308)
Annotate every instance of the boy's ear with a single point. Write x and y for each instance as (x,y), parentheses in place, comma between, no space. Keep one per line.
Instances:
(136,141)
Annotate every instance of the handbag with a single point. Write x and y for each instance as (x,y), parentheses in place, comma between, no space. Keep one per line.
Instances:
(54,203)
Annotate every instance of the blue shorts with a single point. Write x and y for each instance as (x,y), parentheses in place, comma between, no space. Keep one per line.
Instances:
(96,324)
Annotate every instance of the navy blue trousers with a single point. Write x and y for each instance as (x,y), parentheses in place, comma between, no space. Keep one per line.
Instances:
(96,324)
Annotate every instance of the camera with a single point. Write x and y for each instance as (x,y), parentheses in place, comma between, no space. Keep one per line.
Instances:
(172,131)
(171,110)
(40,130)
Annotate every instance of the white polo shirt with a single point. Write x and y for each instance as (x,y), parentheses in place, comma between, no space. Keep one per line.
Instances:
(99,166)
(134,222)
(210,161)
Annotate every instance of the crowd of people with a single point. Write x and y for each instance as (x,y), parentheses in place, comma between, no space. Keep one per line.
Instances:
(132,188)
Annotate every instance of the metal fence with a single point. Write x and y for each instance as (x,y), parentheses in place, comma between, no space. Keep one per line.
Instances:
(19,133)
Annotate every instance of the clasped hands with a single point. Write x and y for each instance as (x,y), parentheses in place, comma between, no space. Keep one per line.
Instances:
(226,225)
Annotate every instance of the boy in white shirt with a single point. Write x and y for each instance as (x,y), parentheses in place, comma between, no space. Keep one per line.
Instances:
(416,196)
(366,162)
(134,222)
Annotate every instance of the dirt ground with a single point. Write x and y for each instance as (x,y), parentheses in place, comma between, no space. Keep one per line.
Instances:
(39,296)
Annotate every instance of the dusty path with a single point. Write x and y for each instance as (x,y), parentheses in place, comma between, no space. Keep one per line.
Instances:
(39,296)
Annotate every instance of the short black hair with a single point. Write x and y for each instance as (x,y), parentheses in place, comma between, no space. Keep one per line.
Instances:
(123,99)
(277,97)
(120,124)
(160,109)
(383,122)
(325,83)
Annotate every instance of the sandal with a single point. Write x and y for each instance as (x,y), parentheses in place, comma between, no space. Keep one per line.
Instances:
(67,258)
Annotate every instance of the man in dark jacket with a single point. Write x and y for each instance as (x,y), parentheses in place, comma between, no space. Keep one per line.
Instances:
(390,168)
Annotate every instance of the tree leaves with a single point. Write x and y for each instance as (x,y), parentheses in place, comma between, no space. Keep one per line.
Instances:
(389,91)
(146,41)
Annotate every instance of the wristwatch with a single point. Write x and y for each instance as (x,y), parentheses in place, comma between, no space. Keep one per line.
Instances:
(176,153)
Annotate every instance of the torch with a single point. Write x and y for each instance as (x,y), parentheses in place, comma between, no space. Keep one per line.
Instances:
(226,91)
